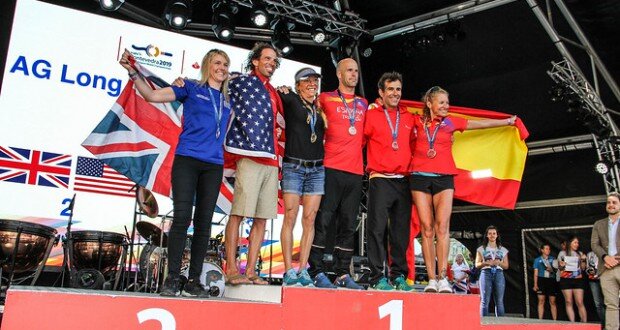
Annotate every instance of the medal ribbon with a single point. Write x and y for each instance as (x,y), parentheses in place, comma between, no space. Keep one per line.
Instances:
(350,112)
(218,112)
(394,131)
(311,114)
(431,139)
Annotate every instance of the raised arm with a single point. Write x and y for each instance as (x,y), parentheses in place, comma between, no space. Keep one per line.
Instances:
(165,94)
(490,123)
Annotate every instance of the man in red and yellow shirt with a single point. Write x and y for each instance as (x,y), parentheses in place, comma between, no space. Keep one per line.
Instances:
(343,176)
(389,134)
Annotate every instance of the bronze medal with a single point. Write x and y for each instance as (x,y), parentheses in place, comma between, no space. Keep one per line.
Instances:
(394,145)
(431,153)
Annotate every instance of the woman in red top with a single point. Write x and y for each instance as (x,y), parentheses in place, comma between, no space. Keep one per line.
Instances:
(432,180)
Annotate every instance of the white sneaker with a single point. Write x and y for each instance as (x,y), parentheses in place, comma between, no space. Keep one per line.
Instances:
(444,286)
(432,286)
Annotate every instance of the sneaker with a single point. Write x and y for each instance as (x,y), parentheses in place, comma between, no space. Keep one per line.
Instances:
(383,285)
(321,281)
(432,286)
(171,286)
(305,279)
(345,281)
(194,289)
(444,286)
(401,284)
(290,278)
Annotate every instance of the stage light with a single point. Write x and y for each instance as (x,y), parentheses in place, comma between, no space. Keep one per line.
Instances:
(111,5)
(259,16)
(439,37)
(602,167)
(318,31)
(557,92)
(423,42)
(281,38)
(222,22)
(341,48)
(364,45)
(178,13)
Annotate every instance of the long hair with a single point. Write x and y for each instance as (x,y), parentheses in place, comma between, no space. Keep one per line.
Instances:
(568,249)
(485,240)
(204,70)
(428,97)
(255,54)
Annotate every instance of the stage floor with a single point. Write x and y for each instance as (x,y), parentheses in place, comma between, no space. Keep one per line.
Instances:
(262,307)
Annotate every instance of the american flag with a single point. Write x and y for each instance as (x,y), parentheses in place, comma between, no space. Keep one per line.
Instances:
(34,167)
(91,175)
(251,130)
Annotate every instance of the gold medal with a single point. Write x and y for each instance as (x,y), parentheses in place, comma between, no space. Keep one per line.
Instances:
(312,137)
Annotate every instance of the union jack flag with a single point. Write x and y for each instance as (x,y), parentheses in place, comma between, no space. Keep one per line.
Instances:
(34,167)
(138,138)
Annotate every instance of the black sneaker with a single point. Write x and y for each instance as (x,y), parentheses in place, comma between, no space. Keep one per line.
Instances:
(171,286)
(194,289)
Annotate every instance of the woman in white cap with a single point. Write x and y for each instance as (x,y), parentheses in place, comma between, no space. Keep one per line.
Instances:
(303,174)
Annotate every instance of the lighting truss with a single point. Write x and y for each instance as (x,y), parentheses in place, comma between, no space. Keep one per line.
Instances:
(607,148)
(306,12)
(566,74)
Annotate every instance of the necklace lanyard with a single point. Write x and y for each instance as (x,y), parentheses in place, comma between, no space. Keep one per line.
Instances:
(392,129)
(350,112)
(218,112)
(431,153)
(311,119)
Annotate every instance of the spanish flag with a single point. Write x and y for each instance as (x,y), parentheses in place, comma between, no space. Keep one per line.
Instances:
(490,161)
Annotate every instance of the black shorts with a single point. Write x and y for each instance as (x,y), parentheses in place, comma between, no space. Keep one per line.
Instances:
(572,283)
(431,184)
(547,286)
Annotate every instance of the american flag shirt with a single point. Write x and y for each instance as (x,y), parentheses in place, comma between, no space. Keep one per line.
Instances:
(251,129)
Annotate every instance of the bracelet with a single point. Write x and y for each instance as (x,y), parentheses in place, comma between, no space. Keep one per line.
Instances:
(134,75)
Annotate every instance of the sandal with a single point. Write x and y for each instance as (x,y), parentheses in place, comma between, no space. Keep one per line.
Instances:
(237,279)
(257,280)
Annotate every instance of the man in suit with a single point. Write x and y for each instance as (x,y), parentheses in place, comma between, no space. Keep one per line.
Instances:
(606,245)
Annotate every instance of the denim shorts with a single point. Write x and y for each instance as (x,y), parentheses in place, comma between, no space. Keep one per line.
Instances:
(301,180)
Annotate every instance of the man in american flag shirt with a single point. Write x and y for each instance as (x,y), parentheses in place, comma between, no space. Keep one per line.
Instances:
(252,143)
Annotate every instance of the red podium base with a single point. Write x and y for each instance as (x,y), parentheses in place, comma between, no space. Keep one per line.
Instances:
(299,308)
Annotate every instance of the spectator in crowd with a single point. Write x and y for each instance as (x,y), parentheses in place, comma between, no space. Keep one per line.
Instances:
(571,263)
(545,284)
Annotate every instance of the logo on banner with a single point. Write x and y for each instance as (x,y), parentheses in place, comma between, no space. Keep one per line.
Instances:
(152,55)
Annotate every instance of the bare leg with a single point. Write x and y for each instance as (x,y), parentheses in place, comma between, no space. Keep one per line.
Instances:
(568,299)
(291,206)
(257,234)
(442,203)
(583,315)
(424,205)
(231,243)
(541,306)
(553,308)
(311,206)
